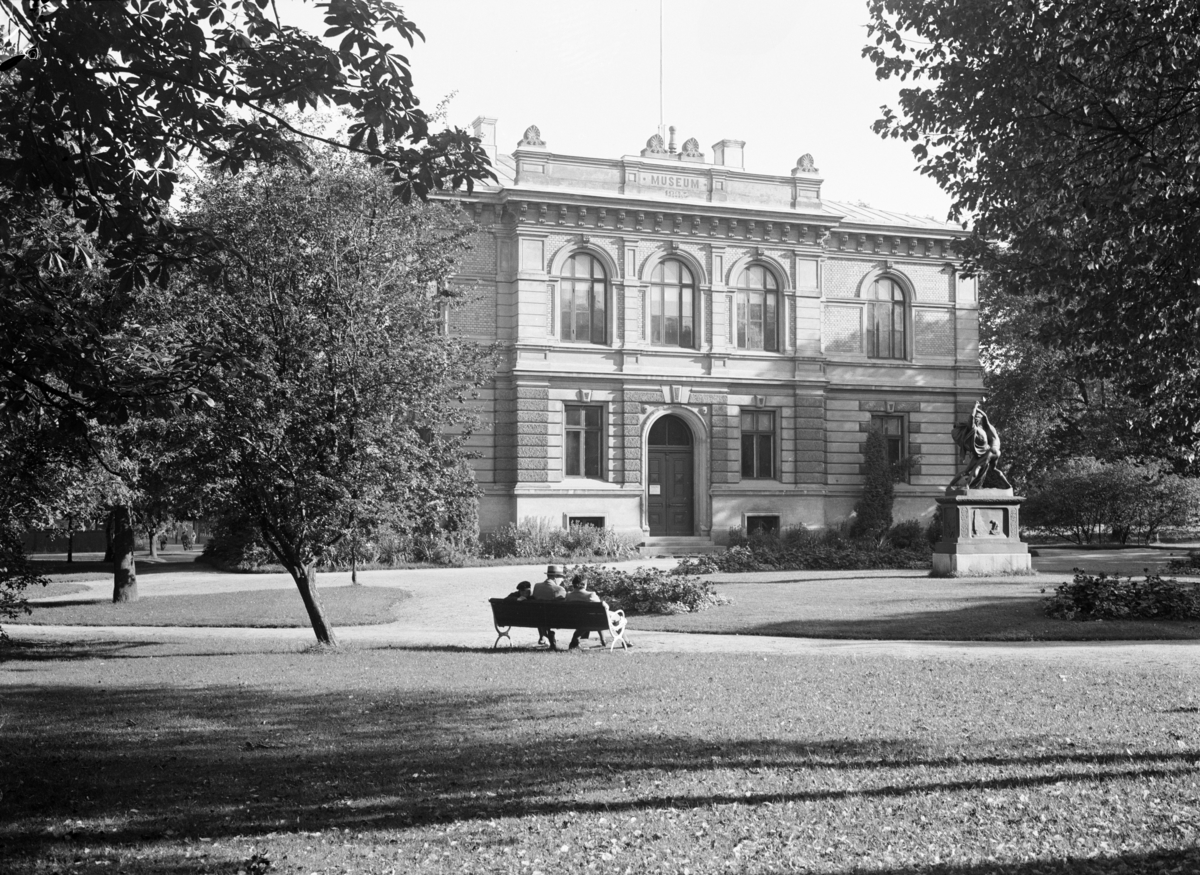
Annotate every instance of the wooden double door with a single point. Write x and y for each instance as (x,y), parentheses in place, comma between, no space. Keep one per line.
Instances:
(670,469)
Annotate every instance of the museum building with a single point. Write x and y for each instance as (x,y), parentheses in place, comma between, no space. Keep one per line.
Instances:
(688,347)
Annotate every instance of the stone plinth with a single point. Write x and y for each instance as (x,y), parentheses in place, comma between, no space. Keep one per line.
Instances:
(980,534)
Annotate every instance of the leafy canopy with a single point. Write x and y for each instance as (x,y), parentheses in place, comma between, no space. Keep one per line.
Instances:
(1069,133)
(340,413)
(94,124)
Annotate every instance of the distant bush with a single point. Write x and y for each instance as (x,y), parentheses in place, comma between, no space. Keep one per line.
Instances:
(799,549)
(540,538)
(235,546)
(1189,564)
(1086,499)
(1110,598)
(649,590)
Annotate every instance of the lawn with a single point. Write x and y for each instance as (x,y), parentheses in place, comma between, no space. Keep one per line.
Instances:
(263,608)
(895,605)
(224,757)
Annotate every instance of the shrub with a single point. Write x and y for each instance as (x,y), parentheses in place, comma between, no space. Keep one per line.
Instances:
(1110,598)
(1189,564)
(539,538)
(649,590)
(905,535)
(800,549)
(873,513)
(1087,498)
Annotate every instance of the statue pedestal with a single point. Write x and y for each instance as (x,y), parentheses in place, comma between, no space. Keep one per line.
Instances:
(980,534)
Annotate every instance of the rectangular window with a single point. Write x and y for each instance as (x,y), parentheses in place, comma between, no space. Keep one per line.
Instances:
(757,321)
(766,524)
(597,522)
(758,445)
(581,453)
(892,428)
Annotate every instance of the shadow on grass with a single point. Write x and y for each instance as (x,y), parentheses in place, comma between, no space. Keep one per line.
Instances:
(223,761)
(145,566)
(1014,619)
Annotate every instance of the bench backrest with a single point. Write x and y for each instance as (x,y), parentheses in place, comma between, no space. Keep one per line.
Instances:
(547,614)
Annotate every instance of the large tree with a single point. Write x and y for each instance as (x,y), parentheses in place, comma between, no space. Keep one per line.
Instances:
(97,121)
(100,104)
(1051,407)
(340,410)
(1068,133)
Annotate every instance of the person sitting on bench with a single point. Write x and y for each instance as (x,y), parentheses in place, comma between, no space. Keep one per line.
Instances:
(580,593)
(523,591)
(550,589)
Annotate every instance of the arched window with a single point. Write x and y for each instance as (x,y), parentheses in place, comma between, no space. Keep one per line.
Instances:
(584,290)
(885,320)
(672,305)
(757,309)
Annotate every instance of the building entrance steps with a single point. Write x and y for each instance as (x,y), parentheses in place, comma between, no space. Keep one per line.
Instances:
(677,545)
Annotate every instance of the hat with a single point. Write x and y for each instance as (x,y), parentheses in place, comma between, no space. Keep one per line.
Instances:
(554,571)
(524,584)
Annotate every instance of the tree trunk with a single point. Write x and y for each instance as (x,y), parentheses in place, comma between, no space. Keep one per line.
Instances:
(124,568)
(153,543)
(306,582)
(70,538)
(354,569)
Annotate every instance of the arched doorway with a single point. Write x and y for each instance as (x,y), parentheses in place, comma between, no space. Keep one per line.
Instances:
(669,478)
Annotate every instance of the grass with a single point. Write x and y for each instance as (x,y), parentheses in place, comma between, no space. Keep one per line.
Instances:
(263,608)
(893,605)
(217,757)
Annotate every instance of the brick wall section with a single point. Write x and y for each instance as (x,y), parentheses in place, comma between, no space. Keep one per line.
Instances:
(533,436)
(933,332)
(842,276)
(475,314)
(810,439)
(934,282)
(480,260)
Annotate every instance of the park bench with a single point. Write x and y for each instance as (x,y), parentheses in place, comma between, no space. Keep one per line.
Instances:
(558,614)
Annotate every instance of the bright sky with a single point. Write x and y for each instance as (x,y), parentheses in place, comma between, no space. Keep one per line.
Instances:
(786,76)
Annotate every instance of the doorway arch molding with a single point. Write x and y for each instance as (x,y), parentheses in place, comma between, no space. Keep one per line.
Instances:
(701,465)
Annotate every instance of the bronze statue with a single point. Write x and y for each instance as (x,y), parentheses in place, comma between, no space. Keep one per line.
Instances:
(980,443)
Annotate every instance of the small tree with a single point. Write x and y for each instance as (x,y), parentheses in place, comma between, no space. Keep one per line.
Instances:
(342,416)
(873,513)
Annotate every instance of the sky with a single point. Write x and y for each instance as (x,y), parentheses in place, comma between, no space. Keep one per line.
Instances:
(785,76)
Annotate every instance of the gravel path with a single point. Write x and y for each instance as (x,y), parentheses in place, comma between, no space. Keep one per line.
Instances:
(448,607)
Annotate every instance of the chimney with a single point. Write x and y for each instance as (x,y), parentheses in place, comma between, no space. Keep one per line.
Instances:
(729,153)
(485,130)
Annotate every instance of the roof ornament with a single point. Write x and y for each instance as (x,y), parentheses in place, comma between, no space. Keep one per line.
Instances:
(655,145)
(532,137)
(691,148)
(805,164)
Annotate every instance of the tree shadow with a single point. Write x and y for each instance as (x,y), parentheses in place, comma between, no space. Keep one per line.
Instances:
(226,761)
(1010,619)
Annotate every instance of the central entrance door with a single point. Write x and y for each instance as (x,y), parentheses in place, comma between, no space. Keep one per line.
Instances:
(669,504)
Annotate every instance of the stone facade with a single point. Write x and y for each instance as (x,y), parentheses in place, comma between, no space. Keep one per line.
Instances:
(819,373)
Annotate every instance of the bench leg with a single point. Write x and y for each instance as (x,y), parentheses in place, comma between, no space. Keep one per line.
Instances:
(502,633)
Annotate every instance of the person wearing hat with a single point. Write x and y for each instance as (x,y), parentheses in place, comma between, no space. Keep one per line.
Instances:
(523,592)
(550,589)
